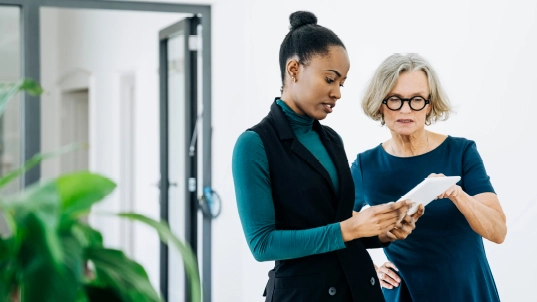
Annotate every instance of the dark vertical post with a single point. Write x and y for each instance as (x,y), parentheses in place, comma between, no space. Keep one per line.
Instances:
(189,105)
(207,149)
(164,182)
(30,105)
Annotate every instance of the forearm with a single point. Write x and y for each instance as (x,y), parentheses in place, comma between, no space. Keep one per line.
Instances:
(256,210)
(268,244)
(485,220)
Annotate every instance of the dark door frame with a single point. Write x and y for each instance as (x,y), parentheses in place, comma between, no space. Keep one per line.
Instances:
(31,106)
(186,28)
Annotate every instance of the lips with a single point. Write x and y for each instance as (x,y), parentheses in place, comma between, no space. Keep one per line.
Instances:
(328,107)
(405,121)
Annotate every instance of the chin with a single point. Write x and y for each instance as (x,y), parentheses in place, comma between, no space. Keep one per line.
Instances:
(405,131)
(320,117)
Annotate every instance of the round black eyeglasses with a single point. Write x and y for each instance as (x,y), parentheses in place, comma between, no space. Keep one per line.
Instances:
(395,103)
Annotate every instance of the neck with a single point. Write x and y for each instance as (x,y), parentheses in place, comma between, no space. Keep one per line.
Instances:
(409,145)
(289,101)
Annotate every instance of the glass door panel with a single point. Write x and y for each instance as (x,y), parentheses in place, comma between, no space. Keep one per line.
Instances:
(10,72)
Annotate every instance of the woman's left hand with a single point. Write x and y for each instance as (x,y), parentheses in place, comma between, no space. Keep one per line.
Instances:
(387,274)
(408,224)
(482,211)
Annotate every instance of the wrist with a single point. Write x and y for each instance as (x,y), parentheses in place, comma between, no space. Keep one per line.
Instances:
(384,238)
(461,195)
(346,230)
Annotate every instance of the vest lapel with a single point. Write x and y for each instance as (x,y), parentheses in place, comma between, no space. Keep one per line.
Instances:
(339,158)
(306,155)
(285,132)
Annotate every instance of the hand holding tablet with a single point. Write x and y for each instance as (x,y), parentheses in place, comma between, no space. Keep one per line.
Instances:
(427,190)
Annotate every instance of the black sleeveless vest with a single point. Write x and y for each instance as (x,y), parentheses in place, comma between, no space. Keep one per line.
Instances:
(304,197)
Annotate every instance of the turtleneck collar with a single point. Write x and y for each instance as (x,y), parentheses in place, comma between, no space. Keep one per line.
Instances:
(299,123)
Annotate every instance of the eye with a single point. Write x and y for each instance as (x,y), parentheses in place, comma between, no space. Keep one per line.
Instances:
(341,85)
(329,80)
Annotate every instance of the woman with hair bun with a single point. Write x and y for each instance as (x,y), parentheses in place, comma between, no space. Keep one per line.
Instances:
(294,188)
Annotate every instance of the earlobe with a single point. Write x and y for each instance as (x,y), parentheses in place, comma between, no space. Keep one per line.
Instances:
(292,69)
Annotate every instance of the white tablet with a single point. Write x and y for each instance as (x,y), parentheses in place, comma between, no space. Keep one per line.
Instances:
(427,190)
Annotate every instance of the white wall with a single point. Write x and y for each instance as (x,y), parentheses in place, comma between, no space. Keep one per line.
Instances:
(483,52)
(485,55)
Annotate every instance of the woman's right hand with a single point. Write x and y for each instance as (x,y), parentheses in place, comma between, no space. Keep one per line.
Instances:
(387,275)
(374,220)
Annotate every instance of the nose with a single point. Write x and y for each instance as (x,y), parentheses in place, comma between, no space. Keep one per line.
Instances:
(336,93)
(406,107)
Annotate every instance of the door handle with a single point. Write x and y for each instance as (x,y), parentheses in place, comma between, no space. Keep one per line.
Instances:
(210,203)
(170,184)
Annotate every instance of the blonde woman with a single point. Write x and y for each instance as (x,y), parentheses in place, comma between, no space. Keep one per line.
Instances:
(444,258)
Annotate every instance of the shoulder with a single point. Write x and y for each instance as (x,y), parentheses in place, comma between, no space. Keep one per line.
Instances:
(460,143)
(248,142)
(370,153)
(248,136)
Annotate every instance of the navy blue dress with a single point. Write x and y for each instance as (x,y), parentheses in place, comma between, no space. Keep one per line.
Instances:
(443,259)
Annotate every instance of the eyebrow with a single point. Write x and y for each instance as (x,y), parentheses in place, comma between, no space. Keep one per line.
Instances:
(421,94)
(336,72)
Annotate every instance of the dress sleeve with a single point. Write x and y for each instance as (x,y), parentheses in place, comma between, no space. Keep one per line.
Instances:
(356,171)
(474,176)
(253,192)
(359,202)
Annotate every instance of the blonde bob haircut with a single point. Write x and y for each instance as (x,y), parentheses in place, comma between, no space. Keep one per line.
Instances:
(387,75)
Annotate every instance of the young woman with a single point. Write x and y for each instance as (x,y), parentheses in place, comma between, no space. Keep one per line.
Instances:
(293,184)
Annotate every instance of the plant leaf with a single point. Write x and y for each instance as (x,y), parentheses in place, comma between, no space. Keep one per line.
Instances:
(35,160)
(73,260)
(87,236)
(79,191)
(7,268)
(7,91)
(189,260)
(126,277)
(42,278)
(42,201)
(31,87)
(37,249)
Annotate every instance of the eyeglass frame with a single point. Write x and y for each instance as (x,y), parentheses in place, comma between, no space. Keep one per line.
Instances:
(403,100)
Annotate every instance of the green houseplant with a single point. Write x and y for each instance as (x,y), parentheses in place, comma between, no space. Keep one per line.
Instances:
(47,253)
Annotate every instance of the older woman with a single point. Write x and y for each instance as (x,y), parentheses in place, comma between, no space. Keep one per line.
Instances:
(444,258)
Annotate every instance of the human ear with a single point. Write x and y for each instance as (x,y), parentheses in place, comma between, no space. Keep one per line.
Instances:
(292,69)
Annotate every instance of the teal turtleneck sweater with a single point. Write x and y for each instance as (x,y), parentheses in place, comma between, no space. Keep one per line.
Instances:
(254,197)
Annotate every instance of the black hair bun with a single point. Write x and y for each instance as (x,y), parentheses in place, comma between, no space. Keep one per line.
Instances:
(301,18)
